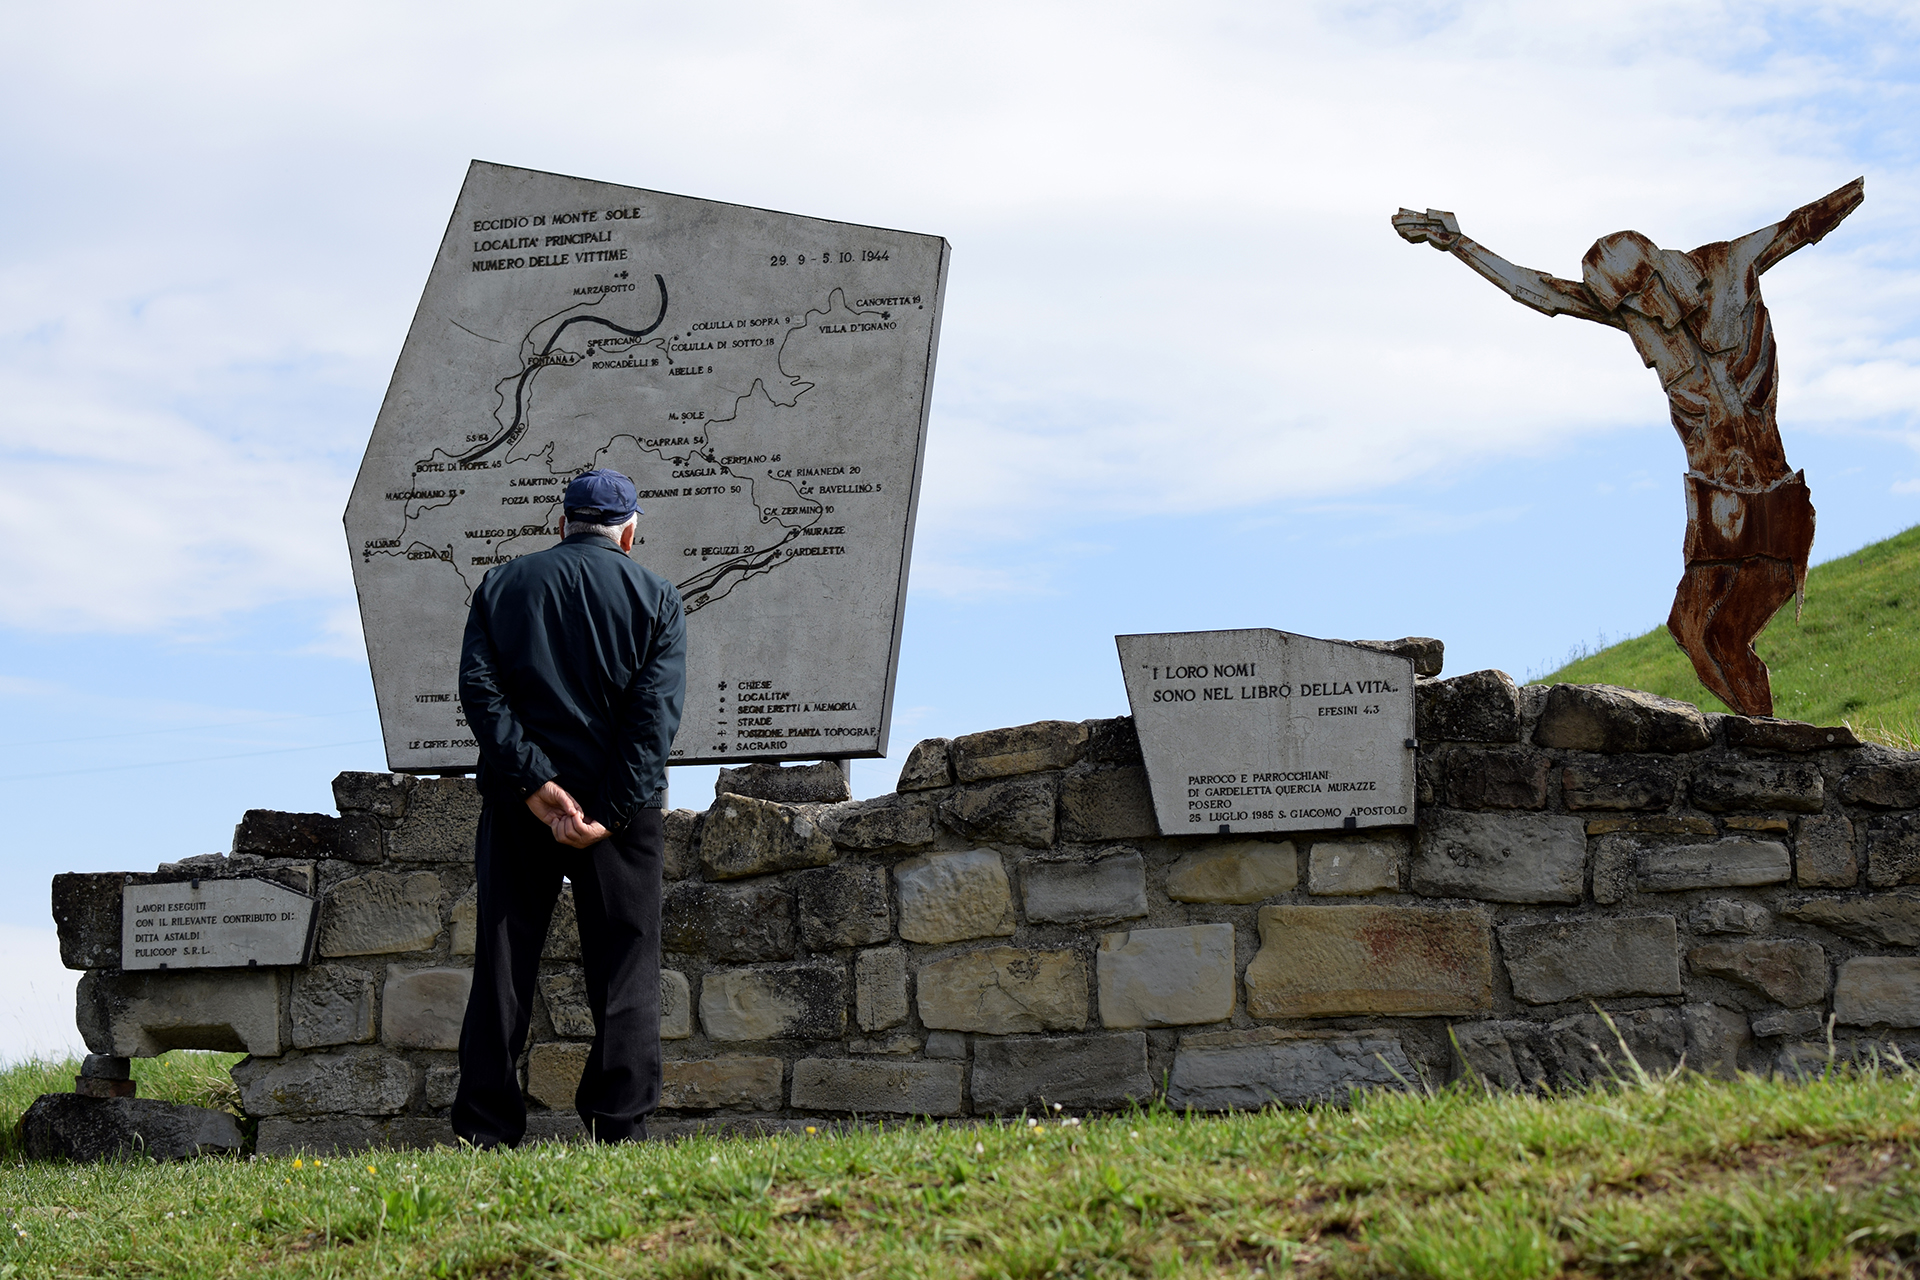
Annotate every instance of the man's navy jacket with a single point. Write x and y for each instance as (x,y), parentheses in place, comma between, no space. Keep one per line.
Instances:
(574,670)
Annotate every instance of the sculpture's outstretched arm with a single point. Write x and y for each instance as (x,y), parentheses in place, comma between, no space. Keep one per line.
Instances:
(1804,226)
(1547,294)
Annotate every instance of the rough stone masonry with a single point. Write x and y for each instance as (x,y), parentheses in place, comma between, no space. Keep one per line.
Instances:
(1008,931)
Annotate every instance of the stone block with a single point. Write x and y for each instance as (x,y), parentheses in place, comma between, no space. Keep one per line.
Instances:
(949,1045)
(1107,804)
(788,1002)
(567,1008)
(950,897)
(1027,748)
(1108,888)
(1619,783)
(1757,784)
(1330,961)
(880,988)
(1724,864)
(105,1066)
(1885,919)
(1893,785)
(1235,871)
(1250,1072)
(1893,851)
(1347,867)
(1004,991)
(728,922)
(1616,869)
(1787,971)
(1478,777)
(1166,977)
(384,795)
(363,1081)
(87,1087)
(928,766)
(1425,653)
(878,1088)
(707,1084)
(349,1134)
(1598,717)
(554,1070)
(1875,990)
(271,834)
(465,920)
(1500,857)
(885,822)
(1082,1073)
(423,1008)
(821,782)
(843,906)
(442,816)
(1790,1022)
(1113,741)
(360,838)
(682,853)
(676,1005)
(442,1085)
(1583,1049)
(380,913)
(332,1004)
(1784,735)
(86,911)
(144,1014)
(563,929)
(747,837)
(1728,915)
(1481,706)
(1017,811)
(1592,959)
(64,1126)
(1823,854)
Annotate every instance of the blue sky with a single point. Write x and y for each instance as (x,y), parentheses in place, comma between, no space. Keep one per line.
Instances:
(1189,376)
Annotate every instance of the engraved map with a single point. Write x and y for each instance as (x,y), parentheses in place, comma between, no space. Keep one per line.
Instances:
(764,380)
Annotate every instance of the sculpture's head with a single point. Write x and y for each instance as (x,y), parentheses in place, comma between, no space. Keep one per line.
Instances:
(1626,269)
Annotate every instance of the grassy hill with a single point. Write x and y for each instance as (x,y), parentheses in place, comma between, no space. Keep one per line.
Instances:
(1853,657)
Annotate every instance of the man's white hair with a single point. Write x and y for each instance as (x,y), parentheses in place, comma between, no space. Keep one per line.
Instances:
(608,531)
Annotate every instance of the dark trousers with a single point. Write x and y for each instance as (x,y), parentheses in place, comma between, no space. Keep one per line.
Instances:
(616,895)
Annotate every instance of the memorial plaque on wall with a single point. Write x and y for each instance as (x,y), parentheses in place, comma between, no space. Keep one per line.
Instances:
(214,924)
(762,377)
(1263,730)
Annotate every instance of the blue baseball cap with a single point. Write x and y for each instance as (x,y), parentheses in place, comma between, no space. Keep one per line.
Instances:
(602,496)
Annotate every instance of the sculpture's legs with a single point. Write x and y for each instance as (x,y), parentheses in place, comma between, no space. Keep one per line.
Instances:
(1717,611)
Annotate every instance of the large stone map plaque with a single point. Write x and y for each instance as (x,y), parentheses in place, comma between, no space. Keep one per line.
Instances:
(214,924)
(1262,730)
(763,378)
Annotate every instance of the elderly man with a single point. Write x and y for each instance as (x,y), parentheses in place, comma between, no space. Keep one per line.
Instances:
(572,676)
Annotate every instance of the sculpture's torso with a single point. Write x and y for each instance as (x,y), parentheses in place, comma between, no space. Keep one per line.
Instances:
(1717,366)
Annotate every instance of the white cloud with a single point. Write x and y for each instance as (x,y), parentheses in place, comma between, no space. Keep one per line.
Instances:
(1174,286)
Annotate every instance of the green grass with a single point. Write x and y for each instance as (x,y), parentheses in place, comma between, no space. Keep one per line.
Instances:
(1679,1177)
(1852,658)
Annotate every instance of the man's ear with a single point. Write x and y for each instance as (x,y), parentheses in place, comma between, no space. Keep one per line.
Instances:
(560,523)
(626,535)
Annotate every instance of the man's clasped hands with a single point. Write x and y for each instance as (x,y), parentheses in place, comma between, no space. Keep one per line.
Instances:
(560,811)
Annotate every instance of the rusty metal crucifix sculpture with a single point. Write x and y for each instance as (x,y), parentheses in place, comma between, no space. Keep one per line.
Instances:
(1697,320)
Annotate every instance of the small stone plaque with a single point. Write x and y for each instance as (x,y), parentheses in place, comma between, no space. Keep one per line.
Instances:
(214,924)
(1263,730)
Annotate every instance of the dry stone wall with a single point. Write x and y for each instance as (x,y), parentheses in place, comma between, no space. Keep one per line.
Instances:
(1008,931)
